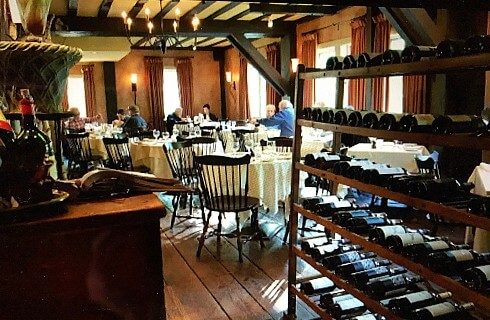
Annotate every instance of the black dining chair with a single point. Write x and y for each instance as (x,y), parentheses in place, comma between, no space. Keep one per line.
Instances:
(120,155)
(204,145)
(223,183)
(79,154)
(181,159)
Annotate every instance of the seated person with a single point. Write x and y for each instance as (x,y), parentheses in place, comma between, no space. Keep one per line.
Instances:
(77,123)
(173,118)
(135,122)
(283,120)
(121,118)
(207,114)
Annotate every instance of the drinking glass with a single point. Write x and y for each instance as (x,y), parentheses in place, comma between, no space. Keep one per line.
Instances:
(271,146)
(198,131)
(166,135)
(156,134)
(235,145)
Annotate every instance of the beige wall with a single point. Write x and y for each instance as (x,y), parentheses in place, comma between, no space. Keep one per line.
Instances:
(232,63)
(206,87)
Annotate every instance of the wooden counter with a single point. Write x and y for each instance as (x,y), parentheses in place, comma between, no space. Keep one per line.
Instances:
(99,260)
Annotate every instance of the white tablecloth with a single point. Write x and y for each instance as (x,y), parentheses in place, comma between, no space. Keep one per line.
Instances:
(394,155)
(97,146)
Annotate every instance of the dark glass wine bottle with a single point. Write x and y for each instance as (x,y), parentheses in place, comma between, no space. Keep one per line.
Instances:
(449,48)
(477,44)
(349,62)
(376,60)
(318,253)
(458,124)
(328,116)
(317,286)
(308,244)
(417,53)
(404,305)
(306,113)
(385,287)
(360,279)
(389,121)
(379,176)
(455,261)
(347,307)
(334,261)
(443,311)
(371,120)
(398,242)
(328,209)
(363,225)
(400,183)
(369,316)
(479,206)
(334,63)
(342,217)
(357,172)
(345,269)
(416,123)
(327,300)
(420,251)
(392,56)
(379,234)
(438,189)
(341,117)
(363,60)
(341,167)
(355,119)
(478,278)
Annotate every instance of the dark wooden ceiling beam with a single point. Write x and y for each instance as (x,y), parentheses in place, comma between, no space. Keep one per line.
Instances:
(137,8)
(72,7)
(204,40)
(409,29)
(104,8)
(280,9)
(255,58)
(226,8)
(114,27)
(166,9)
(219,42)
(197,9)
(260,18)
(438,4)
(240,15)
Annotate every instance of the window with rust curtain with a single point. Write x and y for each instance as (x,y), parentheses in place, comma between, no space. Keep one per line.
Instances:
(415,94)
(154,85)
(243,111)
(89,86)
(357,87)
(381,44)
(274,58)
(308,58)
(184,78)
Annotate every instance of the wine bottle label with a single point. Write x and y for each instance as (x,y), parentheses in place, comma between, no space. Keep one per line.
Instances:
(365,317)
(441,309)
(460,118)
(485,270)
(424,119)
(398,281)
(410,238)
(387,170)
(321,283)
(418,296)
(343,297)
(391,230)
(350,304)
(438,245)
(349,256)
(461,255)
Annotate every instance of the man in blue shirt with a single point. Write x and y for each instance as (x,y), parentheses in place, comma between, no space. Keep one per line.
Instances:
(283,120)
(135,121)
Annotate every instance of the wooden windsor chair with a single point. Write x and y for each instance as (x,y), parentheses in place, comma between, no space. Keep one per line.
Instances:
(79,154)
(120,155)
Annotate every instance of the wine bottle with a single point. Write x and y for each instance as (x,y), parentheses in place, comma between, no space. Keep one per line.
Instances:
(379,176)
(306,113)
(455,261)
(379,234)
(355,119)
(327,300)
(443,311)
(351,256)
(363,60)
(376,60)
(392,57)
(400,183)
(317,286)
(328,116)
(420,251)
(334,63)
(458,124)
(479,206)
(385,287)
(349,62)
(369,316)
(341,117)
(308,244)
(361,278)
(371,120)
(477,44)
(398,242)
(478,278)
(347,307)
(416,123)
(404,305)
(340,218)
(357,172)
(318,253)
(417,53)
(363,225)
(438,189)
(341,167)
(345,269)
(389,121)
(328,209)
(449,49)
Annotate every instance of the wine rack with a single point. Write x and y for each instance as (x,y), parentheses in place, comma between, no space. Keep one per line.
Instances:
(482,301)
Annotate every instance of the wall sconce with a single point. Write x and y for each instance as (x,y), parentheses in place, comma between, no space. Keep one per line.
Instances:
(294,64)
(229,80)
(134,80)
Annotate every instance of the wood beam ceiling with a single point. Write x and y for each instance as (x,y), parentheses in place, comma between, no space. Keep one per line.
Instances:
(104,8)
(137,8)
(166,9)
(197,9)
(223,10)
(240,15)
(278,9)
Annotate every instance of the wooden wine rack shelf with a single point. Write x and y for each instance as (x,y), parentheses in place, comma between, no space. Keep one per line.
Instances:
(310,303)
(370,303)
(433,207)
(458,290)
(457,140)
(480,61)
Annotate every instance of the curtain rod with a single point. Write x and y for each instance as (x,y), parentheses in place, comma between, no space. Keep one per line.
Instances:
(331,25)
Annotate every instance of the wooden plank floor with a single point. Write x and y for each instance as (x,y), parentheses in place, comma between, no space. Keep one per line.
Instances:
(217,286)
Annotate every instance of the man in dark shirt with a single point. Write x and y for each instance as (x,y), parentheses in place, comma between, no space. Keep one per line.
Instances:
(135,122)
(173,118)
(207,113)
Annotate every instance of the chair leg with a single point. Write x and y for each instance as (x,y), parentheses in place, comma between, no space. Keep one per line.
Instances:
(218,242)
(303,226)
(286,234)
(203,235)
(190,204)
(201,203)
(256,212)
(239,237)
(176,207)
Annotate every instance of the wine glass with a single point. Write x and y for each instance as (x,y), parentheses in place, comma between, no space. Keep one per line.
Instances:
(271,146)
(198,131)
(165,135)
(156,134)
(235,145)
(373,142)
(249,143)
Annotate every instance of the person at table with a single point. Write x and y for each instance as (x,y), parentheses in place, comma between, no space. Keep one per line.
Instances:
(173,118)
(121,118)
(283,120)
(77,123)
(270,110)
(135,122)
(207,113)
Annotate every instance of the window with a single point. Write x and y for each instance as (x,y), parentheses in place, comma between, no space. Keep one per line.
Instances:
(395,94)
(76,94)
(326,88)
(257,92)
(171,93)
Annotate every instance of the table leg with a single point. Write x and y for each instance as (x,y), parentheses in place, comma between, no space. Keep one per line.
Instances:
(57,148)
